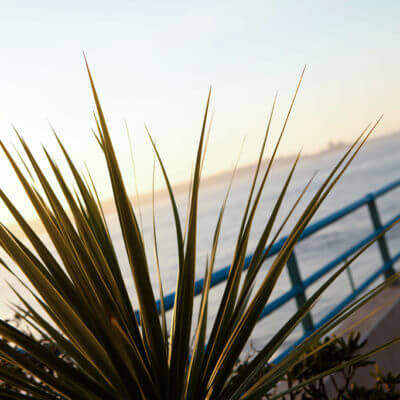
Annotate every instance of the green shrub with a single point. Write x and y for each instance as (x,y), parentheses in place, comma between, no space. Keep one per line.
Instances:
(109,353)
(384,388)
(331,352)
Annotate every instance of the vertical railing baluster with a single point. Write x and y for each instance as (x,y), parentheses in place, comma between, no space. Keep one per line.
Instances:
(383,247)
(351,280)
(295,279)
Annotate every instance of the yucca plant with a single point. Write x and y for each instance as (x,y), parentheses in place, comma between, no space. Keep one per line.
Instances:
(112,351)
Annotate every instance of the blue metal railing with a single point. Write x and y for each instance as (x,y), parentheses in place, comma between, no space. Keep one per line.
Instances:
(299,285)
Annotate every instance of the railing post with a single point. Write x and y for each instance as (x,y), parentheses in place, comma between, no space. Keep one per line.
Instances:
(295,279)
(350,276)
(383,247)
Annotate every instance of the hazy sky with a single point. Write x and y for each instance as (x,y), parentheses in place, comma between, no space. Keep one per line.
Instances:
(153,62)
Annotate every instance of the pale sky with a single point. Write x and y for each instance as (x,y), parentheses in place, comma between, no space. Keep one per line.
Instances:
(153,63)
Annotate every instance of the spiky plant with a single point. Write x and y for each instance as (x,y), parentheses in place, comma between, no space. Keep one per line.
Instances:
(109,351)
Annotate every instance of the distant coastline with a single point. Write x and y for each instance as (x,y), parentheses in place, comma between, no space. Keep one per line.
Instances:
(182,187)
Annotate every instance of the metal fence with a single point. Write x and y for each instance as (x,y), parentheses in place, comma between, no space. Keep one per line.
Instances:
(299,285)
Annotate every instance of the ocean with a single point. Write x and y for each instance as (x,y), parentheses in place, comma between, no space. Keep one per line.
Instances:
(377,164)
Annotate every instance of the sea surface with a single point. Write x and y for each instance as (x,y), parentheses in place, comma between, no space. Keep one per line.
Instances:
(377,164)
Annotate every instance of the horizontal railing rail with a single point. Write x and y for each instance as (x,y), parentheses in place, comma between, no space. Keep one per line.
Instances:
(298,288)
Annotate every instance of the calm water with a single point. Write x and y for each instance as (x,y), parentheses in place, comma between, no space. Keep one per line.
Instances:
(377,165)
